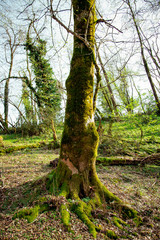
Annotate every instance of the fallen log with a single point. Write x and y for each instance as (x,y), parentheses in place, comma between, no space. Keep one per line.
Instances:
(111,161)
(151,159)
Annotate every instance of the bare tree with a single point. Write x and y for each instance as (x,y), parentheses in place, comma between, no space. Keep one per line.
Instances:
(111,100)
(144,59)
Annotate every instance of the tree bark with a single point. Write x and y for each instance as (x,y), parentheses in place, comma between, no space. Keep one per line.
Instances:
(6,92)
(12,46)
(75,177)
(80,138)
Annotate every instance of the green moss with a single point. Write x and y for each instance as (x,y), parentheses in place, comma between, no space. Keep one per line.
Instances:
(65,215)
(64,190)
(111,234)
(95,201)
(50,182)
(87,207)
(75,186)
(138,221)
(79,210)
(41,200)
(104,160)
(107,220)
(30,214)
(44,207)
(119,222)
(109,196)
(21,147)
(127,211)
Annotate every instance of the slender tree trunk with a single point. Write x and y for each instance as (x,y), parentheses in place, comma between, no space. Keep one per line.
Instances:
(6,93)
(53,130)
(106,97)
(3,125)
(33,112)
(108,84)
(140,98)
(146,67)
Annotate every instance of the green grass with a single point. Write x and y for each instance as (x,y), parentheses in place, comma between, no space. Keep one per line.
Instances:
(17,139)
(21,170)
(131,135)
(15,142)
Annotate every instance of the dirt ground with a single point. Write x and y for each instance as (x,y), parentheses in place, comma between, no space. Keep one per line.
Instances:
(138,186)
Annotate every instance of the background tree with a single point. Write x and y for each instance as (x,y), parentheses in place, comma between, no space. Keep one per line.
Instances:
(145,63)
(46,91)
(108,95)
(10,44)
(123,89)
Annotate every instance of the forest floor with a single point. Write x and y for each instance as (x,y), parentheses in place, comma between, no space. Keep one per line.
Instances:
(139,186)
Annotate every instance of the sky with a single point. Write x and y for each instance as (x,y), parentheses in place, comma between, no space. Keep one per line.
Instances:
(59,43)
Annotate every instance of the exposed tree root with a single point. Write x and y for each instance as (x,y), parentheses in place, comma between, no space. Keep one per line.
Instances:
(99,201)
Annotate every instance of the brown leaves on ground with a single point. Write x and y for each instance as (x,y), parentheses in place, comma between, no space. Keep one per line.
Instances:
(139,186)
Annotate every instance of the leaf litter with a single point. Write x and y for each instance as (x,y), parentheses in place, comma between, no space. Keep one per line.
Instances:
(137,185)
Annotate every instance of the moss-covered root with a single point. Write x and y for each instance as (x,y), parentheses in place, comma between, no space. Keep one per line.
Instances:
(124,209)
(65,215)
(119,222)
(84,213)
(28,213)
(111,234)
(128,212)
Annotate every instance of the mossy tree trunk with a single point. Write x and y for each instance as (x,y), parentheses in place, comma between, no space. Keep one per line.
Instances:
(75,179)
(76,176)
(80,138)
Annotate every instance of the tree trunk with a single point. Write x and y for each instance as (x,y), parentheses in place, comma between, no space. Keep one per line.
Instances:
(107,98)
(75,177)
(6,92)
(3,125)
(80,138)
(54,131)
(108,85)
(145,63)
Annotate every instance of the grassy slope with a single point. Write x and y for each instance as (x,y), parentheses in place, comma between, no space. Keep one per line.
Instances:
(126,137)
